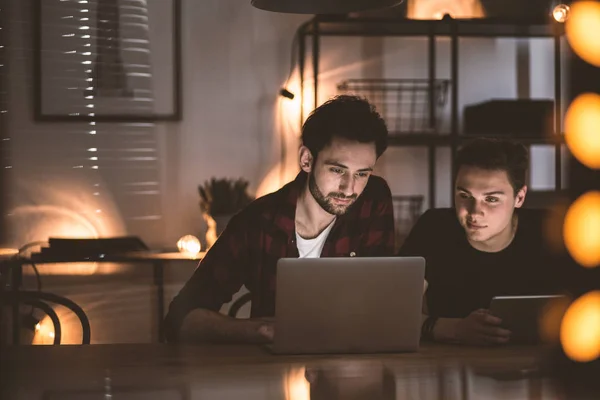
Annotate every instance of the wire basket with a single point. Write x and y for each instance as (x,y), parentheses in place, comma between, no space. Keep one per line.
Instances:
(403,103)
(407,209)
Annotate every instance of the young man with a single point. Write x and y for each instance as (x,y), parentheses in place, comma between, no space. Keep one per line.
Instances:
(488,246)
(334,208)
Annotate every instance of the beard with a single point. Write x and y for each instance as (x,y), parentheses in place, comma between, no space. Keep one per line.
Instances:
(326,201)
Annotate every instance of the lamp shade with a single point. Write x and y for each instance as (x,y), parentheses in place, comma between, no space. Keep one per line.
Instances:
(322,6)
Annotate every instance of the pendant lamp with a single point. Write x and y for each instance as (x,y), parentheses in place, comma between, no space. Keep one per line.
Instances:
(322,6)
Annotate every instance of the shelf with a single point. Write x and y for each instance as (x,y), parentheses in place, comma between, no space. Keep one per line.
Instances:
(343,26)
(432,139)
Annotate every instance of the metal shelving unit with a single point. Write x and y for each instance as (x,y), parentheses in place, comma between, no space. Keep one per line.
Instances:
(326,26)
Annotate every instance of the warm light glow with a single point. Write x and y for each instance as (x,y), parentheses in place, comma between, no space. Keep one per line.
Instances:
(561,13)
(296,385)
(287,126)
(8,252)
(52,221)
(583,30)
(289,109)
(44,331)
(581,129)
(436,9)
(277,177)
(211,230)
(441,14)
(71,332)
(581,231)
(65,207)
(189,244)
(580,328)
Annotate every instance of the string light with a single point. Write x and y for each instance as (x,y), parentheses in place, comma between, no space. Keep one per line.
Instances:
(580,325)
(580,328)
(581,129)
(560,13)
(581,230)
(583,30)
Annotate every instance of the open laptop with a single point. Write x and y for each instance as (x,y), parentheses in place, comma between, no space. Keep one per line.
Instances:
(348,305)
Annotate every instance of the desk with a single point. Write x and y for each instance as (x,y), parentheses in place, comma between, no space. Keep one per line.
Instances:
(155,258)
(148,371)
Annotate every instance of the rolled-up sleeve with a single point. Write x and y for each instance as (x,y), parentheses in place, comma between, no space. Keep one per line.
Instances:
(218,277)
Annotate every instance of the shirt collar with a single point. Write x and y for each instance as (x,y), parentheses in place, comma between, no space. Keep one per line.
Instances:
(285,216)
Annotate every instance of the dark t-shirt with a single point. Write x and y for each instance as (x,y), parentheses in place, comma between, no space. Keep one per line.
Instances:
(462,279)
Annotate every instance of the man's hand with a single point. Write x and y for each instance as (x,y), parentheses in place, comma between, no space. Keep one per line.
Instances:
(267,329)
(481,328)
(201,325)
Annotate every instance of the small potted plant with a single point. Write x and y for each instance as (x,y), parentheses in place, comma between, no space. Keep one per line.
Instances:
(220,199)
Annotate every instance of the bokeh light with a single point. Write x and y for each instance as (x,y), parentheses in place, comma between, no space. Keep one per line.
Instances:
(581,230)
(581,129)
(580,328)
(583,30)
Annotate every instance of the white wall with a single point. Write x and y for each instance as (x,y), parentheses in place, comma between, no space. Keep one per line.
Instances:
(235,59)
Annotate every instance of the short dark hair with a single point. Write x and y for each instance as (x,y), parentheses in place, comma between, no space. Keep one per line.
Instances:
(348,117)
(496,155)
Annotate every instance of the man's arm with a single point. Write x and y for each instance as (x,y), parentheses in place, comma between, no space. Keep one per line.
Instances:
(479,328)
(201,325)
(194,313)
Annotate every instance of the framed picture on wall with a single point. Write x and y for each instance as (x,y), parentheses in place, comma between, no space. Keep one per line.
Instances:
(107,60)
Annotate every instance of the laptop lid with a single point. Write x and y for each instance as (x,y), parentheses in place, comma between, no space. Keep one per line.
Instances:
(348,305)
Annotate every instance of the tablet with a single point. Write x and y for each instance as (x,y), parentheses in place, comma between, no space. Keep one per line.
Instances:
(521,315)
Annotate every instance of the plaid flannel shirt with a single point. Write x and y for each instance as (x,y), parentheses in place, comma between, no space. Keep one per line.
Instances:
(254,240)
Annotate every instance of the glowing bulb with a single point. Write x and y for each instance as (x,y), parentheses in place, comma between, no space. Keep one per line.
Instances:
(581,231)
(51,334)
(561,13)
(189,244)
(583,30)
(38,326)
(580,328)
(581,129)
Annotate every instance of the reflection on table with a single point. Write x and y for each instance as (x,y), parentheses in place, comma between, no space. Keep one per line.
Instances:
(154,371)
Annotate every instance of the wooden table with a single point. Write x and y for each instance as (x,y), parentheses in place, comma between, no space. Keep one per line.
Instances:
(153,371)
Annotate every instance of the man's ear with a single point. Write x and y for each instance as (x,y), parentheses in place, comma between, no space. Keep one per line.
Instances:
(306,159)
(520,197)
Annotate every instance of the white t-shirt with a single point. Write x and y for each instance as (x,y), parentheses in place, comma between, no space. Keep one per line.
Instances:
(311,248)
